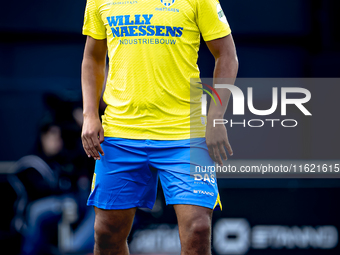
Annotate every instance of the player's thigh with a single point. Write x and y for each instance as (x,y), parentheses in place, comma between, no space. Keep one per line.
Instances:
(113,224)
(190,213)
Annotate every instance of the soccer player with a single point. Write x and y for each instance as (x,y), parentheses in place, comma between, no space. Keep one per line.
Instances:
(152,104)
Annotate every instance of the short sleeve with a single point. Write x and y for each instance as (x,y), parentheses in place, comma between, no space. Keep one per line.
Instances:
(211,20)
(93,24)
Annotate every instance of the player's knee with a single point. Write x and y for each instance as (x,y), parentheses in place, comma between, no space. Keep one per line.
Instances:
(110,234)
(103,238)
(200,228)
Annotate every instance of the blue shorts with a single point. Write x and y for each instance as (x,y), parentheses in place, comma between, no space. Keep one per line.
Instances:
(127,175)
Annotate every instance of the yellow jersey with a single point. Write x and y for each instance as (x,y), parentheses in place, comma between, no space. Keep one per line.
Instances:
(153,49)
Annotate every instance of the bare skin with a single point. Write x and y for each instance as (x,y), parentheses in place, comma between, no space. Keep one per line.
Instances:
(194,225)
(226,67)
(92,78)
(113,226)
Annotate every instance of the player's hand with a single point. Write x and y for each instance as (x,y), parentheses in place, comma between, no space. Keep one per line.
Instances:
(92,136)
(217,141)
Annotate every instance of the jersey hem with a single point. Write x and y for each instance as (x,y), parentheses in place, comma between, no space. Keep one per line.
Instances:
(153,137)
(217,35)
(93,35)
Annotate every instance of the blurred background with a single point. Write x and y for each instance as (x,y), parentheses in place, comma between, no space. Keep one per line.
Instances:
(45,176)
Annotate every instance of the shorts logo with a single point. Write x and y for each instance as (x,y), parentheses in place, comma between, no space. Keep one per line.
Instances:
(167,3)
(205,178)
(202,192)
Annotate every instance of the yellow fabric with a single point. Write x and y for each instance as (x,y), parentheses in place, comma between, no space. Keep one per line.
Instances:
(93,182)
(218,202)
(153,49)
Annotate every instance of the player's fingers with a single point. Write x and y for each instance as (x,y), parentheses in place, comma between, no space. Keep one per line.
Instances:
(100,149)
(222,151)
(217,155)
(101,136)
(91,148)
(96,146)
(85,146)
(211,152)
(227,145)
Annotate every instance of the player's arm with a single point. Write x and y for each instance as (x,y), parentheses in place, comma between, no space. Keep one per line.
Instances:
(226,67)
(92,78)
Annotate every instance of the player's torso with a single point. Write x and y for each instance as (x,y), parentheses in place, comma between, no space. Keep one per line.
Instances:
(153,48)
